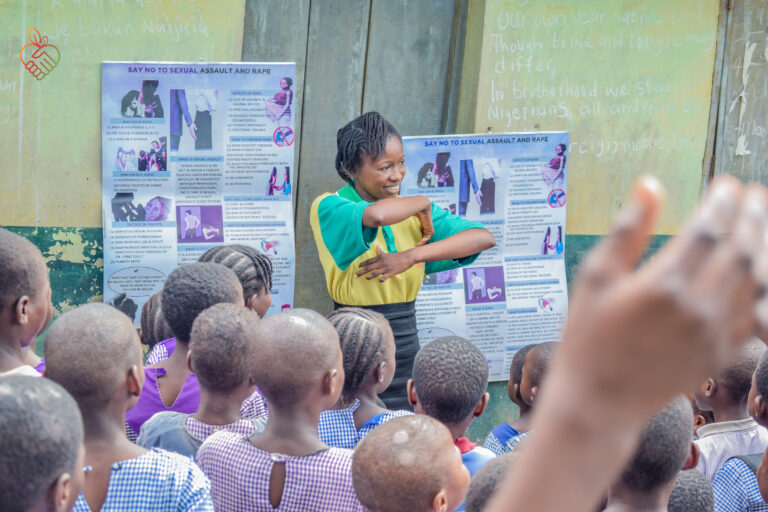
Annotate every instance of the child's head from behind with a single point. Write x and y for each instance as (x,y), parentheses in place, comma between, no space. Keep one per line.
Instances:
(193,288)
(252,268)
(41,437)
(664,449)
(516,375)
(731,387)
(93,352)
(537,363)
(450,376)
(296,359)
(220,347)
(487,481)
(368,349)
(154,328)
(692,492)
(409,463)
(757,402)
(25,291)
(361,146)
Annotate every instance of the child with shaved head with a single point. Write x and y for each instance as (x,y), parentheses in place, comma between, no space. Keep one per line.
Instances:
(409,463)
(25,301)
(41,446)
(94,353)
(171,386)
(664,449)
(220,357)
(487,480)
(734,433)
(499,436)
(298,367)
(692,492)
(450,376)
(368,349)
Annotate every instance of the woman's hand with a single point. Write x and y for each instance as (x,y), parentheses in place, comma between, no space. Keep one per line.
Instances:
(386,265)
(427,229)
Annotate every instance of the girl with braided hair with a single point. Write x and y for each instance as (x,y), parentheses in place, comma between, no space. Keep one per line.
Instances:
(376,246)
(368,351)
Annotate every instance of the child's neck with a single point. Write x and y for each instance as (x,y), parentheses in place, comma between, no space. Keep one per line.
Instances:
(218,408)
(459,429)
(369,407)
(105,439)
(730,412)
(522,424)
(290,431)
(10,355)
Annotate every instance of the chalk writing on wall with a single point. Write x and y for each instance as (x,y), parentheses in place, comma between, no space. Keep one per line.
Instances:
(631,82)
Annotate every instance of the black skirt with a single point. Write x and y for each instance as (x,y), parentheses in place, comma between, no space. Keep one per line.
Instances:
(402,320)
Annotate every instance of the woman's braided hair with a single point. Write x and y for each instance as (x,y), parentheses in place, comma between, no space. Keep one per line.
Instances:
(252,268)
(363,334)
(364,137)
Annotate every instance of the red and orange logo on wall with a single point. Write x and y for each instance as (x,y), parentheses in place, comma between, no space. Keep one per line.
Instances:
(39,57)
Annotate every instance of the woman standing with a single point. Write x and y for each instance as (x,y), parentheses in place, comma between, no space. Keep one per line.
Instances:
(375,246)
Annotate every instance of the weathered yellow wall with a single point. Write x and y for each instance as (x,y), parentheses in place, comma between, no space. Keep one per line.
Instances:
(630,80)
(50,130)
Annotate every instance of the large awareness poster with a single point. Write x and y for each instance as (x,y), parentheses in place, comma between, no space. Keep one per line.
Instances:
(515,185)
(194,155)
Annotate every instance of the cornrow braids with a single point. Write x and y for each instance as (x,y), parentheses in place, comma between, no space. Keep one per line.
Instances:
(154,328)
(252,268)
(363,137)
(362,335)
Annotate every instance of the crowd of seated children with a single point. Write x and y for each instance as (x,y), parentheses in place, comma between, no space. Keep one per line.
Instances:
(170,385)
(297,365)
(664,449)
(499,436)
(536,362)
(368,351)
(626,323)
(219,356)
(450,376)
(734,433)
(41,452)
(409,463)
(735,483)
(25,301)
(94,353)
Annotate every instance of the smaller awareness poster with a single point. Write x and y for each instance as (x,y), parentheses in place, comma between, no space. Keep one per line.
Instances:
(515,185)
(194,155)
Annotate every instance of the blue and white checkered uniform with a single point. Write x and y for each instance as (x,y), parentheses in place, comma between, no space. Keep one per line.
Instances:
(735,489)
(337,426)
(156,481)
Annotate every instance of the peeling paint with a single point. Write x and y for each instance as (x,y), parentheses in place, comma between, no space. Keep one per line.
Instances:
(70,247)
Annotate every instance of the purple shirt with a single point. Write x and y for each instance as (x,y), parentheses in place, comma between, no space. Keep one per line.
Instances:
(240,473)
(150,401)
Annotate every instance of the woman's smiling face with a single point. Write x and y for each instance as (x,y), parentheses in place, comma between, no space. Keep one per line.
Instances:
(381,178)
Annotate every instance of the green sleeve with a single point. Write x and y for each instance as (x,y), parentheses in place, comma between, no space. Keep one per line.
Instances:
(447,224)
(341,226)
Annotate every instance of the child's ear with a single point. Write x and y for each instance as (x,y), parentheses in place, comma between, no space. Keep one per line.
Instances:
(60,493)
(440,502)
(329,381)
(534,392)
(21,311)
(692,460)
(135,382)
(710,387)
(379,371)
(482,404)
(189,362)
(413,398)
(761,410)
